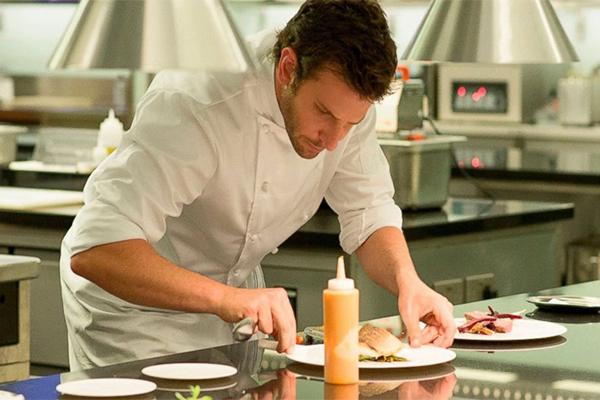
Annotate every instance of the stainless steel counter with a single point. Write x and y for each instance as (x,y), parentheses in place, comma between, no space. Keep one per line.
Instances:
(565,367)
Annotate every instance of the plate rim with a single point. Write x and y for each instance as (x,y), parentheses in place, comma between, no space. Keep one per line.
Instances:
(204,389)
(61,386)
(392,365)
(534,300)
(232,371)
(561,330)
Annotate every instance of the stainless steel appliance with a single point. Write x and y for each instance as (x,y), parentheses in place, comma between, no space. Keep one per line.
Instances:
(8,143)
(494,93)
(410,105)
(420,170)
(584,260)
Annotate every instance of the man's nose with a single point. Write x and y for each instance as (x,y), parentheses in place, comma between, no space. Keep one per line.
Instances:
(329,138)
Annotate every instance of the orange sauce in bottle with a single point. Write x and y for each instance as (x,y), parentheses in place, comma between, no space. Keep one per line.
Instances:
(340,317)
(341,392)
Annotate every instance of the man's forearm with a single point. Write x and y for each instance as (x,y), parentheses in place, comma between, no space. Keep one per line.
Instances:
(133,271)
(386,259)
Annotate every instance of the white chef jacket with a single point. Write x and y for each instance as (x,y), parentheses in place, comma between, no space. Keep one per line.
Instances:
(208,176)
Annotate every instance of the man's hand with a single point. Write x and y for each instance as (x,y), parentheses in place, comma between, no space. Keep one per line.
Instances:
(441,388)
(386,259)
(417,302)
(282,388)
(270,310)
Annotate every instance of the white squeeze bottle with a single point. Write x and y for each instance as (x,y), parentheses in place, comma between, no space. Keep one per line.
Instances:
(109,137)
(340,317)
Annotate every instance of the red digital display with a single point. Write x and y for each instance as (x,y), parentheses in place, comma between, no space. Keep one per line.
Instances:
(479,97)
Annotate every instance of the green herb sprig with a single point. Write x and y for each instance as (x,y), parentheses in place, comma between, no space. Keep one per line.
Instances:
(195,394)
(391,358)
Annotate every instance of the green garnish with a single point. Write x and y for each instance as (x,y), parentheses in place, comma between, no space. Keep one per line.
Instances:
(195,395)
(391,358)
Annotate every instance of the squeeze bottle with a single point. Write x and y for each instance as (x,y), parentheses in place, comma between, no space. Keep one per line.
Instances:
(340,317)
(109,137)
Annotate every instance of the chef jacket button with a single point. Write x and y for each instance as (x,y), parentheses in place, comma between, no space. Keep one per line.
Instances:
(275,250)
(305,217)
(236,272)
(252,238)
(266,128)
(265,187)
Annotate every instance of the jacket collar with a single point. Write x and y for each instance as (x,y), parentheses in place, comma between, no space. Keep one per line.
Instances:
(266,103)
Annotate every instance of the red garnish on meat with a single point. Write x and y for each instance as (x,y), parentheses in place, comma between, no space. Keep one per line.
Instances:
(483,323)
(464,328)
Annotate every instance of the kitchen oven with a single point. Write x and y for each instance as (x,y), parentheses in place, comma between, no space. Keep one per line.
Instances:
(494,93)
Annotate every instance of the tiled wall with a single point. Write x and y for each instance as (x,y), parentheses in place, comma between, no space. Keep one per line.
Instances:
(29,32)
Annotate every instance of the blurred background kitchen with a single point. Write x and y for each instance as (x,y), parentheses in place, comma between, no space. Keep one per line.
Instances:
(513,152)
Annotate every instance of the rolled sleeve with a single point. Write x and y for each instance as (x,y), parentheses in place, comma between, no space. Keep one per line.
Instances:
(150,177)
(361,191)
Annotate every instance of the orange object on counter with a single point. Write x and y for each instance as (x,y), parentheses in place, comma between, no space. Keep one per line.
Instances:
(403,71)
(341,392)
(416,136)
(340,317)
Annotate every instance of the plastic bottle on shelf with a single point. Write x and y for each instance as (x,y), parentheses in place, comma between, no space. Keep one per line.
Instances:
(340,317)
(109,137)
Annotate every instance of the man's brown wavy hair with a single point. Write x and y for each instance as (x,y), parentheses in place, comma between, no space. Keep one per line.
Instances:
(351,37)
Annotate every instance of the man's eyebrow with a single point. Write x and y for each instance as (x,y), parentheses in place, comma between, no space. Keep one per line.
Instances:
(326,110)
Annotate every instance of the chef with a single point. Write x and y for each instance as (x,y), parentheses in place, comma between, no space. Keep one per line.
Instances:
(218,170)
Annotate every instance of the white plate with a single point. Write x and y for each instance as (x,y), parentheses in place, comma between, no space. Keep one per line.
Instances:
(203,387)
(421,357)
(106,387)
(523,329)
(579,303)
(189,371)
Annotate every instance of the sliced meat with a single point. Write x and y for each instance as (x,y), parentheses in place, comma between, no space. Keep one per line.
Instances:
(476,315)
(503,325)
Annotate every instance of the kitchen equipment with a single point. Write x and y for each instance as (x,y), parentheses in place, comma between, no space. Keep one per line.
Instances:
(491,31)
(583,260)
(579,100)
(403,109)
(15,289)
(8,143)
(494,93)
(65,146)
(151,35)
(410,107)
(243,330)
(420,170)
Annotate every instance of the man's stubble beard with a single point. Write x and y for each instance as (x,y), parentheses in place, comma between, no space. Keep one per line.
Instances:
(290,119)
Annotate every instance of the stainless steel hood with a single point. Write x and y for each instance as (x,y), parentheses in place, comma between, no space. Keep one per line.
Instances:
(151,35)
(491,31)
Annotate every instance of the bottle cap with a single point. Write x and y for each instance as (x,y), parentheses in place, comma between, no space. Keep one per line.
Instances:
(341,282)
(111,131)
(112,122)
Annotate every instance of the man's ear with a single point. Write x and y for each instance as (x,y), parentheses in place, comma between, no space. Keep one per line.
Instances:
(287,66)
